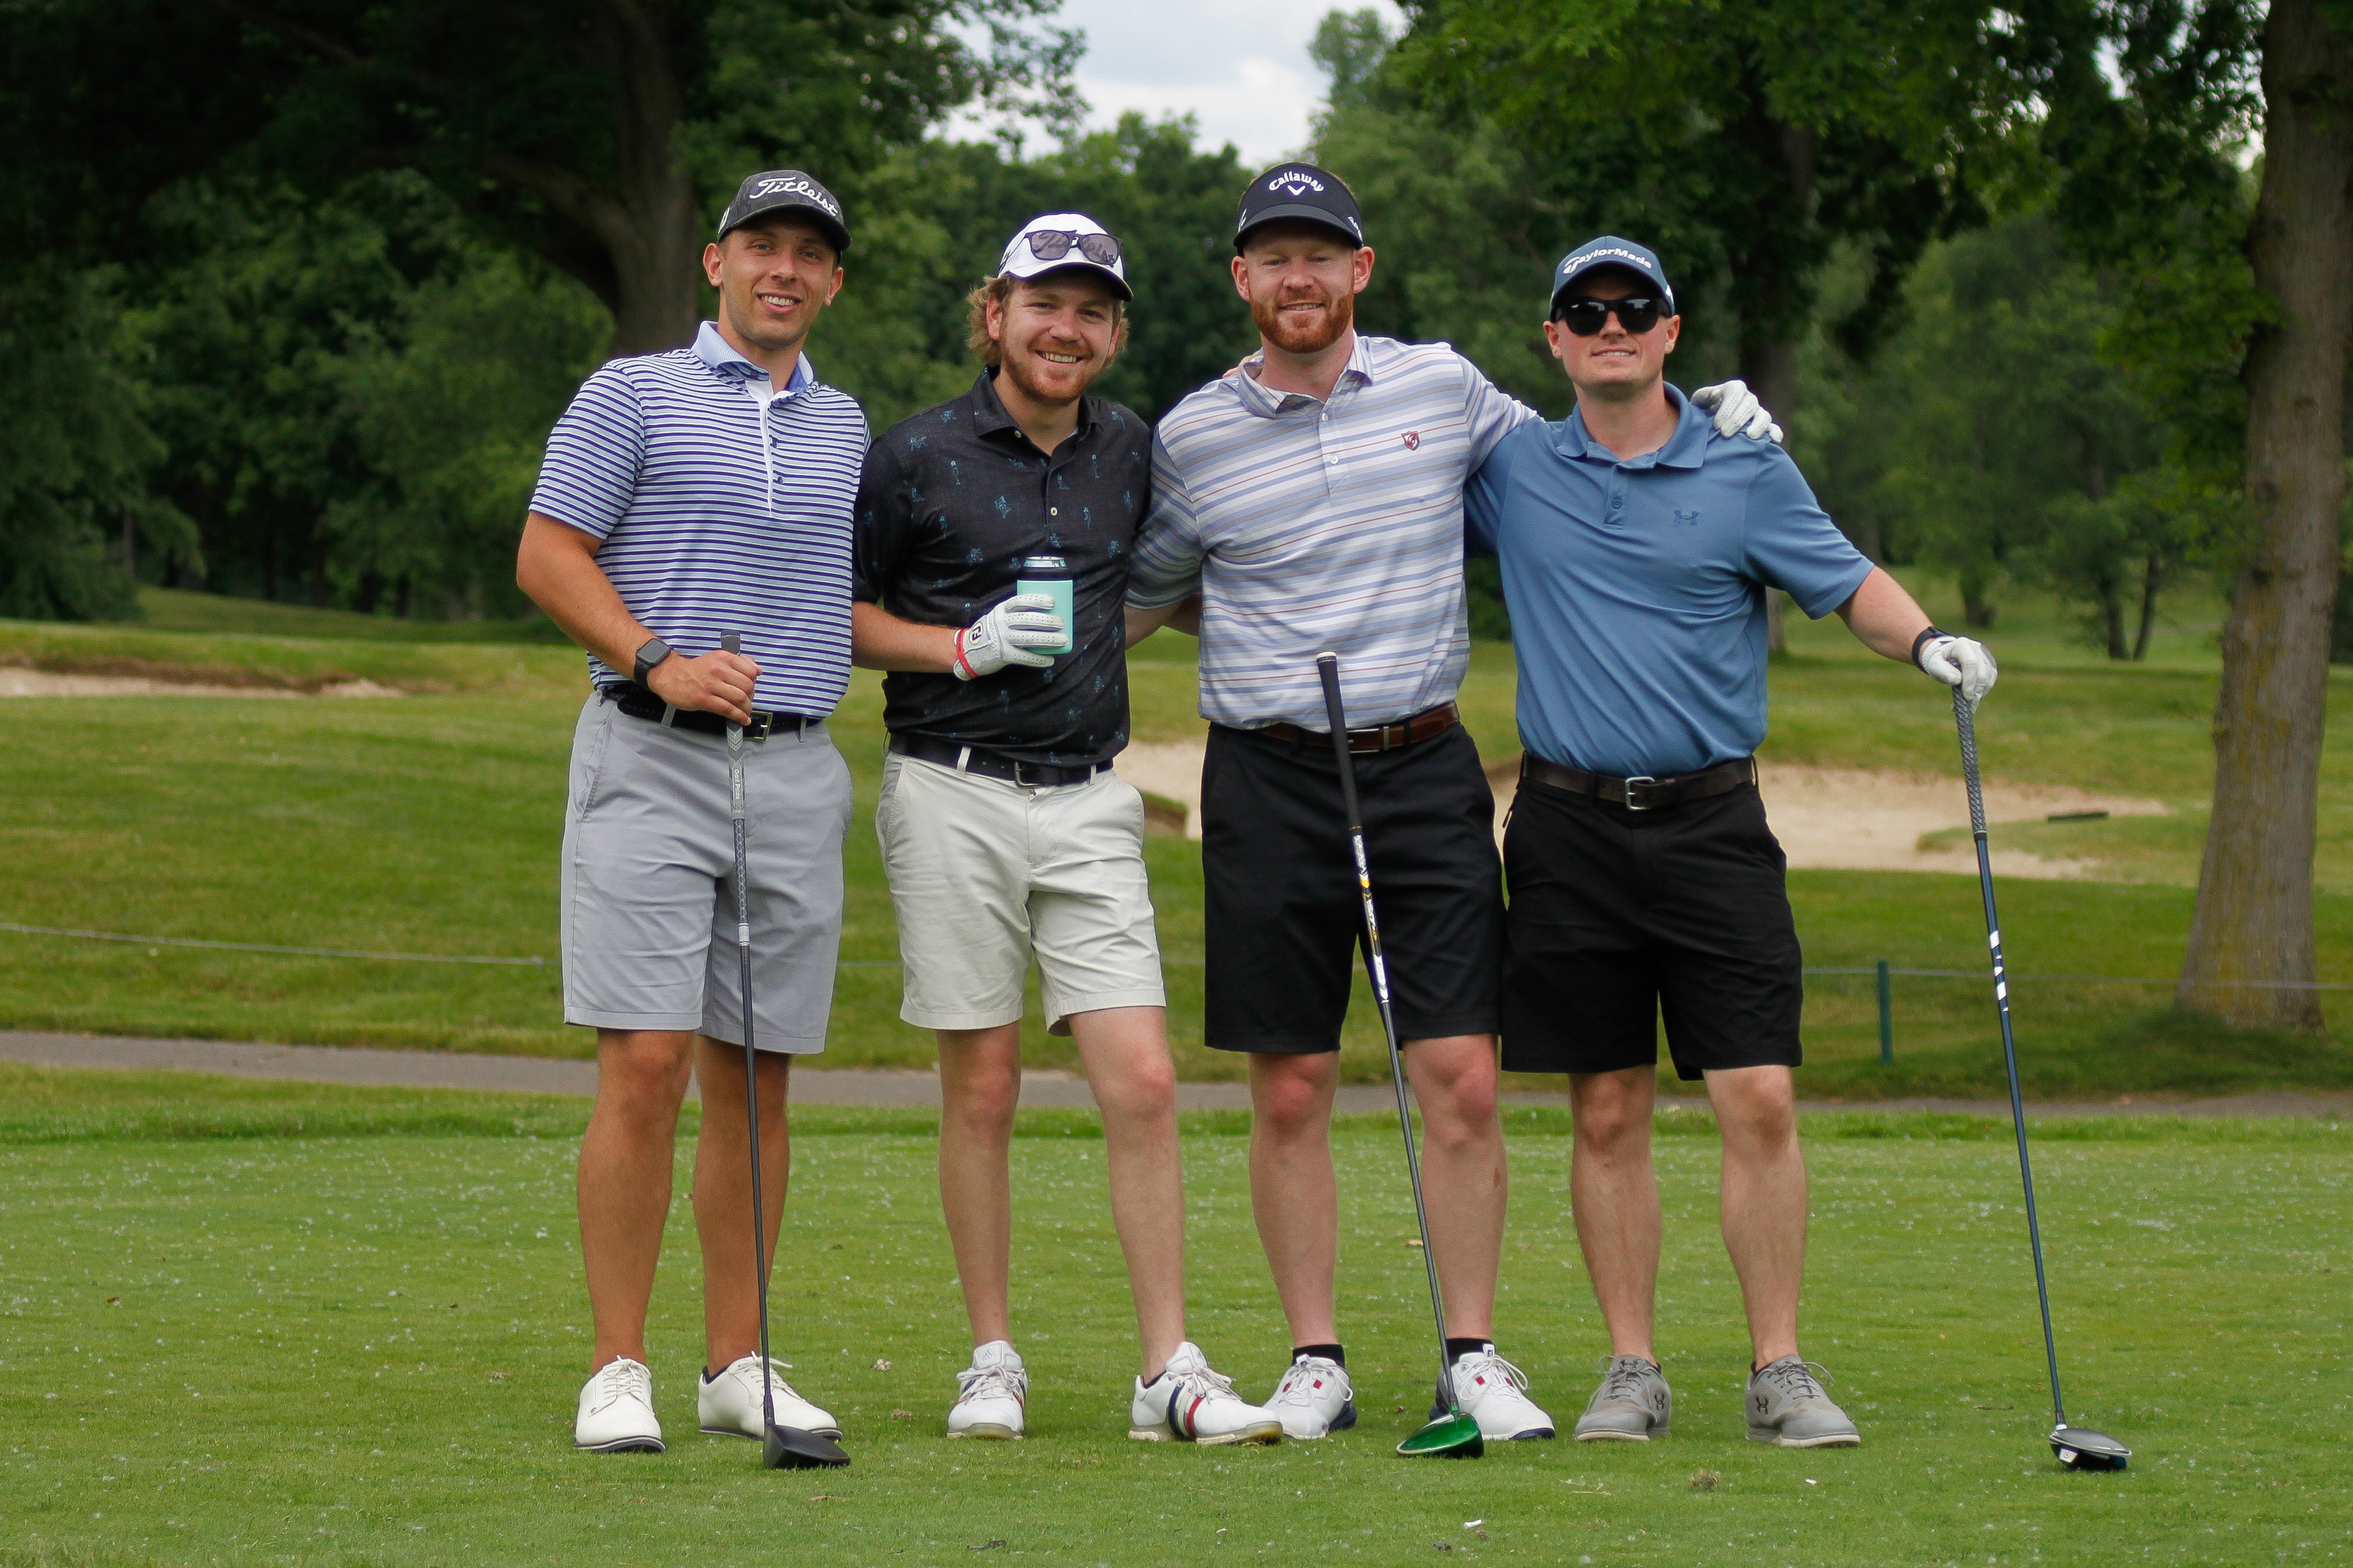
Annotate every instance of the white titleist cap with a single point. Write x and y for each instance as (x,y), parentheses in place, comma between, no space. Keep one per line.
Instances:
(1061,240)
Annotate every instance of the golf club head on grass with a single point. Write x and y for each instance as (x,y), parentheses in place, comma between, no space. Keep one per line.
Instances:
(790,1448)
(2080,1448)
(1452,1436)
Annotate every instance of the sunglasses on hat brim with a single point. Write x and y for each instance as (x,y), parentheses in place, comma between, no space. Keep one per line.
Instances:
(1584,317)
(1052,245)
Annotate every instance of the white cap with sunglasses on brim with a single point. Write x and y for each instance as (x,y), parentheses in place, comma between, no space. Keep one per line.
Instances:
(1060,241)
(1608,251)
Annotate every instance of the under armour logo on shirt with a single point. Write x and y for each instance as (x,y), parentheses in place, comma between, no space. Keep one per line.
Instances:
(1687,519)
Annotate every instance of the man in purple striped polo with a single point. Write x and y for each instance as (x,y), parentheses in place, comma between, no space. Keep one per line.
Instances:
(1311,499)
(684,495)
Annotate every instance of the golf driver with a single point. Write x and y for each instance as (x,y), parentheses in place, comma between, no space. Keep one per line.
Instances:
(1452,1436)
(781,1448)
(2077,1448)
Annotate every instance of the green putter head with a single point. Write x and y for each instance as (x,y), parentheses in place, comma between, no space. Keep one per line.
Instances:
(1452,1436)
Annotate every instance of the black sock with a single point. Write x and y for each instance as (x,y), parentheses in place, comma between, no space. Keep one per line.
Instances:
(1457,1349)
(1332,1353)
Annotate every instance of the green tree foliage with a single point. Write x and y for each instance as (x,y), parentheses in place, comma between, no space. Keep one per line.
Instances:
(1746,143)
(1994,435)
(74,454)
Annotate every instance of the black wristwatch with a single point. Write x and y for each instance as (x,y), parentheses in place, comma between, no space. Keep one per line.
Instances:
(1917,643)
(653,653)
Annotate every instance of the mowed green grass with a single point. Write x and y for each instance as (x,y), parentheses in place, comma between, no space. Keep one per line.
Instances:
(361,1346)
(431,823)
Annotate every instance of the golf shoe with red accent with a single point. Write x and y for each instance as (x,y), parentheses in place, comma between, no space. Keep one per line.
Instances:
(1493,1392)
(1188,1403)
(991,1393)
(616,1411)
(1314,1399)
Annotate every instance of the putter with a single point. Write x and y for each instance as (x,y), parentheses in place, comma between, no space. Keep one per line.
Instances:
(2078,1448)
(1452,1436)
(781,1448)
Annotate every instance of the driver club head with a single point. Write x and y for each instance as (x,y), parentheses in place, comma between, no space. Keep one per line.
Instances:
(1452,1436)
(2080,1448)
(790,1448)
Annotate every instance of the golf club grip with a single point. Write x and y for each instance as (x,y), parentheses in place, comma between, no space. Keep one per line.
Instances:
(1966,722)
(1328,669)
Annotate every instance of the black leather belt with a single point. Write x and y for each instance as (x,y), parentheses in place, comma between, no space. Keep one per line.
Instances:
(1642,792)
(989,764)
(639,703)
(1425,725)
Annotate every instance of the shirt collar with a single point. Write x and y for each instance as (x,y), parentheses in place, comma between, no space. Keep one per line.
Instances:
(989,416)
(1266,402)
(1686,448)
(720,355)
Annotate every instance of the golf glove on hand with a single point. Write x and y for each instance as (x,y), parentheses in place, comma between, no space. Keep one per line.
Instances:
(1009,634)
(1959,661)
(1736,411)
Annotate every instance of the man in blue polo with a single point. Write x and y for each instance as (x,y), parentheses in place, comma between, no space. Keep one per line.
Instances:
(684,495)
(1636,555)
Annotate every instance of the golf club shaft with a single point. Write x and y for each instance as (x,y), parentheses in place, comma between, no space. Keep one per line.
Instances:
(1966,723)
(1327,666)
(733,643)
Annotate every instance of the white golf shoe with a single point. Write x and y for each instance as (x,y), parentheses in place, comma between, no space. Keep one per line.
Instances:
(616,1411)
(1187,1403)
(1314,1399)
(730,1403)
(1494,1393)
(990,1393)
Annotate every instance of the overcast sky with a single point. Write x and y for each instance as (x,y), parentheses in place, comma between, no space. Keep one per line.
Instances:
(1239,66)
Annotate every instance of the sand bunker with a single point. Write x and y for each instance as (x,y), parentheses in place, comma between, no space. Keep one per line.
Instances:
(43,683)
(1827,818)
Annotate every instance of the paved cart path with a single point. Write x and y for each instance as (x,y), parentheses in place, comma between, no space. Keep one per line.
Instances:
(837,1085)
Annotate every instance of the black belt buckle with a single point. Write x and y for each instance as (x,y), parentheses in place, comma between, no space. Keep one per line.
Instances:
(1632,803)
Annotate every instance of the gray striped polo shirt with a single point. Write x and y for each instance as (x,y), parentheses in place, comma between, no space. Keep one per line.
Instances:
(1307,526)
(723,506)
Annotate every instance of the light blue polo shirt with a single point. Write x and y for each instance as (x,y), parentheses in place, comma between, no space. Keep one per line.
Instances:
(1637,588)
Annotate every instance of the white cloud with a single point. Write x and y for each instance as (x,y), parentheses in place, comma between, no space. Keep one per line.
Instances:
(1240,68)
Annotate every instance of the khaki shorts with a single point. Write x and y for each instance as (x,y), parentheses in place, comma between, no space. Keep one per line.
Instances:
(987,874)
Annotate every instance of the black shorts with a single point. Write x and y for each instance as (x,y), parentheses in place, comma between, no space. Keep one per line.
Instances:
(1618,916)
(1282,915)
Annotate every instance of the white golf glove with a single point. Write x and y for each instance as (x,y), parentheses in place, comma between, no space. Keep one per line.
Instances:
(1009,634)
(1959,661)
(1738,412)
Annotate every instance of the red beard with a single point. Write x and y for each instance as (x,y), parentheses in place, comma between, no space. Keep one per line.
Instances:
(1293,338)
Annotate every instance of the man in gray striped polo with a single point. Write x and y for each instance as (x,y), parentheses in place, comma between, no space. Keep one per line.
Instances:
(1312,499)
(684,495)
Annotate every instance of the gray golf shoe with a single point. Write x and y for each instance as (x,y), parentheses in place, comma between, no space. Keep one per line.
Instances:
(1787,1408)
(1633,1404)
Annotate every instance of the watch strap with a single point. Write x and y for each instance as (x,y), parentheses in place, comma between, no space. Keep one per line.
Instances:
(650,654)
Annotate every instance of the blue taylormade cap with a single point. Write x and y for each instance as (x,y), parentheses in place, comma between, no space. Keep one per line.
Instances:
(1612,251)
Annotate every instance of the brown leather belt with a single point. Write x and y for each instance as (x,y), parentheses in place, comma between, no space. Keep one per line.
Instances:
(1410,731)
(1642,792)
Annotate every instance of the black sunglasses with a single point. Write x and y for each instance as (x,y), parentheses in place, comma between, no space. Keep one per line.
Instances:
(1587,317)
(1052,245)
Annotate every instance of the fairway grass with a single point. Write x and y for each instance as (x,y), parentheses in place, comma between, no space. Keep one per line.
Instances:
(364,1349)
(431,823)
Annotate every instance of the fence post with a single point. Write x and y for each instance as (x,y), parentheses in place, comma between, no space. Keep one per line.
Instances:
(1886,1020)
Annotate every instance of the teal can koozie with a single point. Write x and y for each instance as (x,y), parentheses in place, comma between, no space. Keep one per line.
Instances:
(1050,576)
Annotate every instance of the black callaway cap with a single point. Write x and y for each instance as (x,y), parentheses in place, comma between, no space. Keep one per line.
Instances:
(786,190)
(1299,191)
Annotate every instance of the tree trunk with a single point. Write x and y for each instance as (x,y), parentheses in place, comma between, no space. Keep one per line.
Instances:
(2152,578)
(130,550)
(2111,618)
(645,221)
(1771,372)
(2253,917)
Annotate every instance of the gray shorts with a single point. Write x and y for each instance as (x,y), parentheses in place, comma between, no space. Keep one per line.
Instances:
(988,875)
(648,869)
